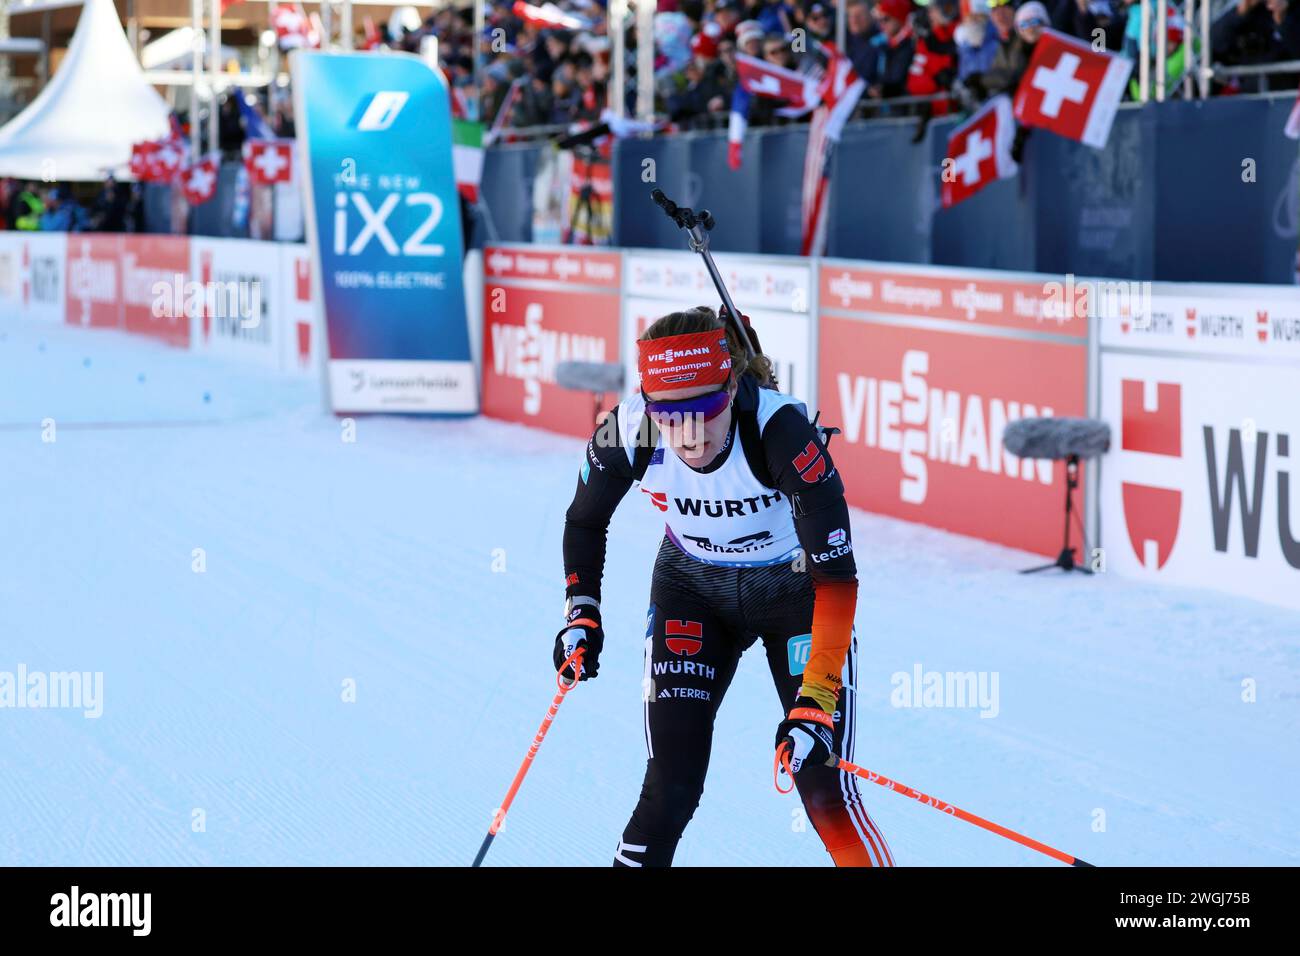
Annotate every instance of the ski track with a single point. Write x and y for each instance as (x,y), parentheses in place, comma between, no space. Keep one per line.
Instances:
(373,562)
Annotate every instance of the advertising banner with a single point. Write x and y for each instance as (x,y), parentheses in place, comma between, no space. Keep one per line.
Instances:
(154,271)
(776,294)
(32,283)
(298,326)
(94,280)
(237,314)
(383,221)
(542,307)
(922,373)
(1203,399)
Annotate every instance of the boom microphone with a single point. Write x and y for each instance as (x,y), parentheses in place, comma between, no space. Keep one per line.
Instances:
(1057,437)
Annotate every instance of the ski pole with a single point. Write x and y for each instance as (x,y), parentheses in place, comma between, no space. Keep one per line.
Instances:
(565,685)
(697,225)
(783,761)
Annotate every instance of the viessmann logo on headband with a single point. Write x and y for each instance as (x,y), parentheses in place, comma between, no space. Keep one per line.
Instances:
(668,355)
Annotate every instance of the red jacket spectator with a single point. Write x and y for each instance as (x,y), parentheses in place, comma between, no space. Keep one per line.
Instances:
(934,63)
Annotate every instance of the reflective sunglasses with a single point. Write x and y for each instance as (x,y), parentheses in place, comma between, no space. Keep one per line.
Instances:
(707,406)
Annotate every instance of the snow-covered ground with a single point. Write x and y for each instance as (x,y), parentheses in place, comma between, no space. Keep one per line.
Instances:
(422,563)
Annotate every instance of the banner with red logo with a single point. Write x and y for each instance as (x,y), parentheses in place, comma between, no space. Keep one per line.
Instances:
(31,275)
(152,267)
(1202,393)
(1247,322)
(300,332)
(541,307)
(775,293)
(233,300)
(923,405)
(94,296)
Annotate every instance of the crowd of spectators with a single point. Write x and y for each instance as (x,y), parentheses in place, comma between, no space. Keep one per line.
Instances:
(550,67)
(55,207)
(958,51)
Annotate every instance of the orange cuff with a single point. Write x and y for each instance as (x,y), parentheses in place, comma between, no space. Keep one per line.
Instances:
(832,632)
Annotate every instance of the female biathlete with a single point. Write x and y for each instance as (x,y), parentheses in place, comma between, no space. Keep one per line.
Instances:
(757,546)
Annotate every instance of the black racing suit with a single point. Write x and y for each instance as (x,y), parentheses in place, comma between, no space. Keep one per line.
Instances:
(703,616)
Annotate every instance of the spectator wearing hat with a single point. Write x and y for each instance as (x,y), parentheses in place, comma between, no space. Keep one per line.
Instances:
(749,38)
(934,62)
(1012,58)
(818,21)
(707,90)
(62,212)
(977,42)
(893,47)
(727,14)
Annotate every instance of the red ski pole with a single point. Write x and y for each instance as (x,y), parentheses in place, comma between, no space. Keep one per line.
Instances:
(565,685)
(783,761)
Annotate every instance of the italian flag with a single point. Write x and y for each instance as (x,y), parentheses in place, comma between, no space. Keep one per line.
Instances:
(467,156)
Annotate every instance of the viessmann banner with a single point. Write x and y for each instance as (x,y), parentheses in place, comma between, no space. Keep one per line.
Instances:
(543,306)
(923,368)
(383,221)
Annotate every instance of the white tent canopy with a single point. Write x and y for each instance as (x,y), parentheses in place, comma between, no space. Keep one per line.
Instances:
(82,125)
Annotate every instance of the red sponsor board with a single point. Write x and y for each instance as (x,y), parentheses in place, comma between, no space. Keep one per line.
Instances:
(1047,306)
(94,280)
(922,414)
(527,331)
(155,270)
(601,270)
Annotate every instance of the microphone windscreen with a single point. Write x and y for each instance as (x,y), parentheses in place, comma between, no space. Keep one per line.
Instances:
(1056,437)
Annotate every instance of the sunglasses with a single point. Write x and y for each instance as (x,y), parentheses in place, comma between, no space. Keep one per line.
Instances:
(707,406)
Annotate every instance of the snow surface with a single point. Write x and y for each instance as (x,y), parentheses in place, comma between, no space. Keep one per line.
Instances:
(374,561)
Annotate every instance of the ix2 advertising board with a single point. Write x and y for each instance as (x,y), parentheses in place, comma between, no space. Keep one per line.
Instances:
(383,221)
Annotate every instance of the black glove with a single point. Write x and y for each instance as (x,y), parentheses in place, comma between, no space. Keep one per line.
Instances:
(810,731)
(582,630)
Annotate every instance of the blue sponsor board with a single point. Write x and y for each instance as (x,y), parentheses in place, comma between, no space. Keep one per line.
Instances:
(383,221)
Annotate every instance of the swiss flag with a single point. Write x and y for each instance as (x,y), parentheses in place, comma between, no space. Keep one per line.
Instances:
(199,181)
(293,28)
(799,90)
(268,161)
(1071,89)
(166,159)
(142,159)
(980,150)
